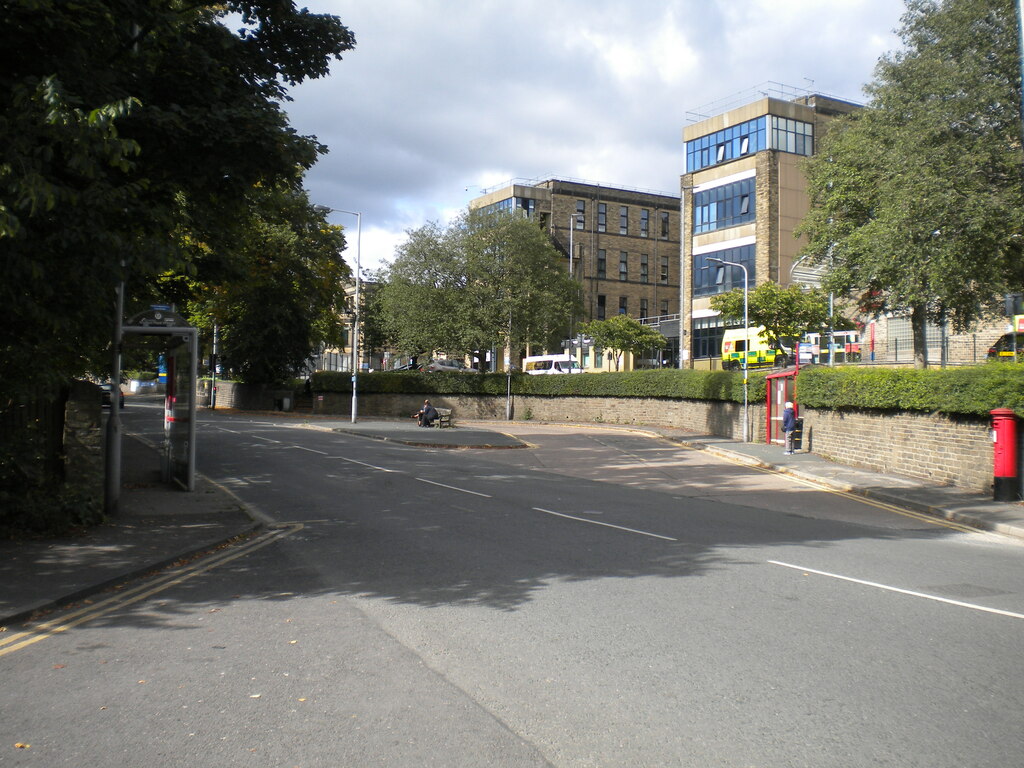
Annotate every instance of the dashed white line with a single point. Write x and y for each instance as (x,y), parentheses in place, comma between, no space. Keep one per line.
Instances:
(888,588)
(453,488)
(606,525)
(311,450)
(363,464)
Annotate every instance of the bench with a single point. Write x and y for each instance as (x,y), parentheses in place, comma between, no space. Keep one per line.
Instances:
(444,418)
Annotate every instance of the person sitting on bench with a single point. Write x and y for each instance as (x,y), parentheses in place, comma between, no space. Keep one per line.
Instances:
(426,416)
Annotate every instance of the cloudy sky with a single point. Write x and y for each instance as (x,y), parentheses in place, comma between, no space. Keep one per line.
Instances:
(442,98)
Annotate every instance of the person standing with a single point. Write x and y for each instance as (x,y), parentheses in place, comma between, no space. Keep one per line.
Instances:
(789,426)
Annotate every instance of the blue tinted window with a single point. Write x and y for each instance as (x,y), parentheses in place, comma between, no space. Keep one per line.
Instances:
(727,144)
(724,206)
(705,272)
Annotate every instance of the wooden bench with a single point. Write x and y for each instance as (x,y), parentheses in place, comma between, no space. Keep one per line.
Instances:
(444,418)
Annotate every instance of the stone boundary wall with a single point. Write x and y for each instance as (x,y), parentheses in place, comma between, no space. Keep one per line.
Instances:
(942,449)
(245,397)
(946,450)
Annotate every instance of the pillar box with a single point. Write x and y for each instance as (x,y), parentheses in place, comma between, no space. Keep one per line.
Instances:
(1005,478)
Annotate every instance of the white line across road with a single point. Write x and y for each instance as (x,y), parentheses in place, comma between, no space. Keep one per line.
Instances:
(453,488)
(606,525)
(888,588)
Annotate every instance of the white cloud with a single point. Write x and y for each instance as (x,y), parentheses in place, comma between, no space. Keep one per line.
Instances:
(441,95)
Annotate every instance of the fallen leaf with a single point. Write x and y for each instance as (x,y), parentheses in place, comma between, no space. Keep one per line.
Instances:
(19,745)
(142,682)
(58,666)
(301,699)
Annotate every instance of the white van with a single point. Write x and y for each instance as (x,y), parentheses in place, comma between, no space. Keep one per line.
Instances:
(542,364)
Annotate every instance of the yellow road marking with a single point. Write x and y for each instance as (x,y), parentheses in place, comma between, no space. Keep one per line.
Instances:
(19,640)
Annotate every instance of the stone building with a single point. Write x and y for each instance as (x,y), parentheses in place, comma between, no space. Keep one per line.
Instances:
(743,194)
(624,245)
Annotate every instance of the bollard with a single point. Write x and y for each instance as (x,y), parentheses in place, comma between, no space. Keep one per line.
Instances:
(1005,479)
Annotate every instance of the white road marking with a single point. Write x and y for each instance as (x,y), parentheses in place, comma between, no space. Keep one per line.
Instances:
(886,587)
(606,525)
(311,450)
(362,464)
(453,488)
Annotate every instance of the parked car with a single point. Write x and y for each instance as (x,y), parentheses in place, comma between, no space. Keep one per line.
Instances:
(107,390)
(1004,346)
(451,366)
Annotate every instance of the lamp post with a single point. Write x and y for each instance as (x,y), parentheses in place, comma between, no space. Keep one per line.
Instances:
(746,336)
(355,313)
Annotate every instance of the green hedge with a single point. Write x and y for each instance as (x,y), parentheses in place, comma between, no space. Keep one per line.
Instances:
(668,383)
(970,391)
(973,391)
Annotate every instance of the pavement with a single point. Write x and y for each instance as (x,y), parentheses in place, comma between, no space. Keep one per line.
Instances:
(159,525)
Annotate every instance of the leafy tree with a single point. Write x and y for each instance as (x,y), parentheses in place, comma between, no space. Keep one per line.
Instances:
(282,300)
(485,279)
(916,200)
(785,313)
(622,333)
(133,134)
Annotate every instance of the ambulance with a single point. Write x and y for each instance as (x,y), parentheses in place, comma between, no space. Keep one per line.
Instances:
(758,355)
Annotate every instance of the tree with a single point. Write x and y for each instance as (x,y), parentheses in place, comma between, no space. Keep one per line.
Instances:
(281,302)
(622,333)
(485,279)
(916,200)
(785,313)
(133,134)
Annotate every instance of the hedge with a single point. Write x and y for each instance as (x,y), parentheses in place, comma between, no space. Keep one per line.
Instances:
(666,383)
(973,391)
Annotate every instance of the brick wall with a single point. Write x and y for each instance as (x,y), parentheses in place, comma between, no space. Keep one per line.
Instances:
(942,449)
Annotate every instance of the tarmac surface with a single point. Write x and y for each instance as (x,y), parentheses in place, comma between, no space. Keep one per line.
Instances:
(160,525)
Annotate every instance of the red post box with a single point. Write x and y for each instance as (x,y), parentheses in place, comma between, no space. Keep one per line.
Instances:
(1005,480)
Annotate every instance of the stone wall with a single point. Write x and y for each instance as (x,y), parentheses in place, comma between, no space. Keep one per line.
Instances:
(83,440)
(249,397)
(942,449)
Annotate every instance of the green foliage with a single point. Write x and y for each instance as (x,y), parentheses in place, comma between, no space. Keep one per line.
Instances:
(487,279)
(622,333)
(785,313)
(886,217)
(666,382)
(46,511)
(132,135)
(972,391)
(281,299)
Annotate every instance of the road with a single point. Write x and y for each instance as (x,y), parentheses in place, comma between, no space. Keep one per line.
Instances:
(599,599)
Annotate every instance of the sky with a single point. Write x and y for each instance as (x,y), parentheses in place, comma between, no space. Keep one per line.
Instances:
(441,99)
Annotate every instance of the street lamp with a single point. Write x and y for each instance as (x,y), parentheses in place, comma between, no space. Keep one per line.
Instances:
(355,314)
(746,335)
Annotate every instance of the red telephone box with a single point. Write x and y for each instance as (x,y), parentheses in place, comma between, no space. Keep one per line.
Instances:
(781,388)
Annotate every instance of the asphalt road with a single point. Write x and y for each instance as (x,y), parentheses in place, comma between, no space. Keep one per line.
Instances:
(600,599)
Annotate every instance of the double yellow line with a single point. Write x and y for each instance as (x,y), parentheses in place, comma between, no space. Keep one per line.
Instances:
(19,640)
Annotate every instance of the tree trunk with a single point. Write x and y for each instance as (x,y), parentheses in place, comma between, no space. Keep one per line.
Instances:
(919,329)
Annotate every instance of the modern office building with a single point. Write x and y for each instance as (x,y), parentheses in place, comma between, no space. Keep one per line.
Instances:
(743,195)
(624,246)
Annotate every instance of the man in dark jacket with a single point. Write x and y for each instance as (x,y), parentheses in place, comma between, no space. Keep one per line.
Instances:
(426,415)
(789,427)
